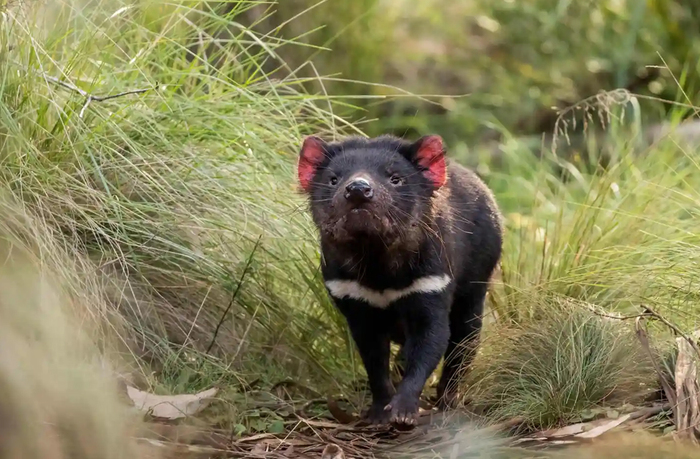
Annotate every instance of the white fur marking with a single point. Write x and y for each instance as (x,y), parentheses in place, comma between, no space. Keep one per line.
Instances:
(381,299)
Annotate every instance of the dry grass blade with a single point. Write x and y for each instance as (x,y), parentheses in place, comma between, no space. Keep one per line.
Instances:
(600,430)
(687,392)
(684,396)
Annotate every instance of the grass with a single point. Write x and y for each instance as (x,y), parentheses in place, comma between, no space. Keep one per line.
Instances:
(551,368)
(171,214)
(179,197)
(610,233)
(612,236)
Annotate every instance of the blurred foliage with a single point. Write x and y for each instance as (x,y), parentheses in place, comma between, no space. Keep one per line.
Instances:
(515,60)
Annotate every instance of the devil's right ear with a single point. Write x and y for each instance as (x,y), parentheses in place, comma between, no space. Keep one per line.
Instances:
(313,152)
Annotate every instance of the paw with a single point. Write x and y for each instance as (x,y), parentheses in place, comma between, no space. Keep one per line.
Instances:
(403,411)
(376,414)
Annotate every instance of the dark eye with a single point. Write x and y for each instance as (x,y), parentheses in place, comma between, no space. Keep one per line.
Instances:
(395,180)
(333,181)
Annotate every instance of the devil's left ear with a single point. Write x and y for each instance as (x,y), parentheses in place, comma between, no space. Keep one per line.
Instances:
(428,153)
(312,154)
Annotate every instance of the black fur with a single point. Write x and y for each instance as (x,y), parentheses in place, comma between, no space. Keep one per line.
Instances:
(408,230)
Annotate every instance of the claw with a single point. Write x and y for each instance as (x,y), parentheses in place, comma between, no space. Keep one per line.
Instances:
(404,411)
(377,414)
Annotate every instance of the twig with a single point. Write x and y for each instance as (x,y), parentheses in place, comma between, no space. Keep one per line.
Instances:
(648,412)
(616,317)
(235,293)
(89,98)
(315,401)
(647,312)
(685,412)
(291,382)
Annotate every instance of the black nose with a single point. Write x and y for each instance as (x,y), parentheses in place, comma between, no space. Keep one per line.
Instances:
(359,190)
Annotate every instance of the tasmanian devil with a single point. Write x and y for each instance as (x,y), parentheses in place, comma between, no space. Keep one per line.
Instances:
(409,241)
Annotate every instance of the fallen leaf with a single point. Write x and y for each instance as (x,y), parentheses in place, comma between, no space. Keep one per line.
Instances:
(259,425)
(600,430)
(518,441)
(566,431)
(170,406)
(276,427)
(332,451)
(338,413)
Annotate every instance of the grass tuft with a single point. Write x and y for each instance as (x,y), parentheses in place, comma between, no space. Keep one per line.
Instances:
(561,362)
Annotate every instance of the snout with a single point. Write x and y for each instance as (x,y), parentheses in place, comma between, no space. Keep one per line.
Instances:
(359,191)
(360,210)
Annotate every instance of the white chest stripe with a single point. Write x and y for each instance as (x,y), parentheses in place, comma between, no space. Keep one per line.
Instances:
(381,299)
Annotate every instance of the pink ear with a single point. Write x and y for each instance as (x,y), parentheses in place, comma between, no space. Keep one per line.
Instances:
(431,156)
(311,156)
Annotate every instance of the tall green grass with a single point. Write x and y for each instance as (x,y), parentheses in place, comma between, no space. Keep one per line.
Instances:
(617,233)
(599,233)
(564,361)
(181,197)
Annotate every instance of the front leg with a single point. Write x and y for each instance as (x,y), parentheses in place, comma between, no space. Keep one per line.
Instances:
(370,332)
(427,320)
